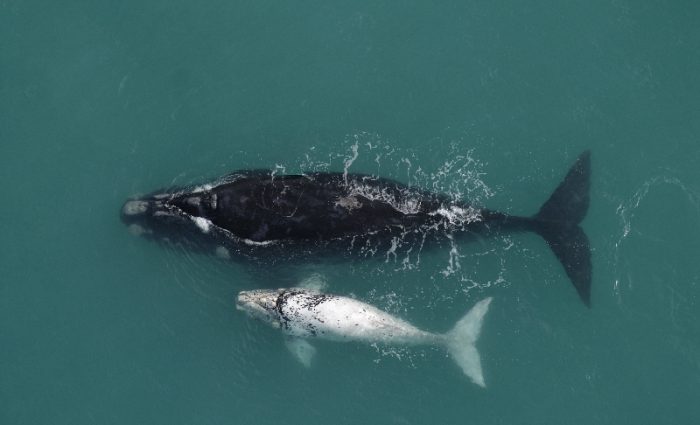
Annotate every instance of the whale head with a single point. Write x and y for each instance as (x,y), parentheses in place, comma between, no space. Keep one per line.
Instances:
(261,304)
(175,217)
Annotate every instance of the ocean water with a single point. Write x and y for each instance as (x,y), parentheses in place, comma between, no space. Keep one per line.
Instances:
(488,101)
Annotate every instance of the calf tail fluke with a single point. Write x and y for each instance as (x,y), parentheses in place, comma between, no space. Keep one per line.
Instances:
(461,339)
(558,223)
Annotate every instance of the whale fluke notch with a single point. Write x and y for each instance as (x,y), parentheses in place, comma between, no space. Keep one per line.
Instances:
(558,223)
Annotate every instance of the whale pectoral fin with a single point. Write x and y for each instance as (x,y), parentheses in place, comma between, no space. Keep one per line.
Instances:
(315,282)
(301,349)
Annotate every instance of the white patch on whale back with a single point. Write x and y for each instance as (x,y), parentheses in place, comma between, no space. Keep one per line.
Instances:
(203,224)
(223,253)
(213,200)
(348,202)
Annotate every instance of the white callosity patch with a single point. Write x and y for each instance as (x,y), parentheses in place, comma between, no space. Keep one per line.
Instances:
(135,207)
(203,224)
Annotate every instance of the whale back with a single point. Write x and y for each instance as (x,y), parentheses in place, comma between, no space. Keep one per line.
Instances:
(331,317)
(316,206)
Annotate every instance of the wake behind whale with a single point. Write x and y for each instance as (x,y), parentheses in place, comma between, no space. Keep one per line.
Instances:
(251,214)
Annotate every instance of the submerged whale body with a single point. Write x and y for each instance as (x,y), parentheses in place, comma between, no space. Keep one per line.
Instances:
(253,212)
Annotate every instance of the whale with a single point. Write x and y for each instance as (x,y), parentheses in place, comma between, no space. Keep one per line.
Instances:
(303,315)
(259,215)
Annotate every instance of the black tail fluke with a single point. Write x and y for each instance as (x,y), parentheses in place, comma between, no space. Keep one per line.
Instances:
(558,223)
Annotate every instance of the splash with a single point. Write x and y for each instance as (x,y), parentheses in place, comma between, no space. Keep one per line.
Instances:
(626,213)
(460,177)
(450,170)
(348,161)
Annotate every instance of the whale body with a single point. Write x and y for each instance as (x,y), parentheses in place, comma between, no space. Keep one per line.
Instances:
(305,314)
(250,213)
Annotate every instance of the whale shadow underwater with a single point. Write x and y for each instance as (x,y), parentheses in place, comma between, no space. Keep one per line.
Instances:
(256,215)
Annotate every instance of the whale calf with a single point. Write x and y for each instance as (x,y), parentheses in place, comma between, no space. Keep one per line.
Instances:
(252,214)
(304,314)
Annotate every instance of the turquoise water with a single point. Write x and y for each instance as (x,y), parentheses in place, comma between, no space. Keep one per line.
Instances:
(100,101)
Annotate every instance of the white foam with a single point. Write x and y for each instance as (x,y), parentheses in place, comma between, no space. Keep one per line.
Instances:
(457,215)
(405,203)
(348,161)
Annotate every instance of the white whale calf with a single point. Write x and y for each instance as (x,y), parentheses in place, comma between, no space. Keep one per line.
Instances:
(303,314)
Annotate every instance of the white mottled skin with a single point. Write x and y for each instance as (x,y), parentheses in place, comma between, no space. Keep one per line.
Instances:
(345,319)
(305,314)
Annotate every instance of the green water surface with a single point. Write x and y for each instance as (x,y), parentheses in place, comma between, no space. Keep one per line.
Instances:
(103,100)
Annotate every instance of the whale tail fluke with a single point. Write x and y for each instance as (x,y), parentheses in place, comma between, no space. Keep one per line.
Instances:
(461,339)
(558,223)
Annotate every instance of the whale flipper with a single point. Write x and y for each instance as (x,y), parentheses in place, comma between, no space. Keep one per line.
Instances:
(558,223)
(301,349)
(315,282)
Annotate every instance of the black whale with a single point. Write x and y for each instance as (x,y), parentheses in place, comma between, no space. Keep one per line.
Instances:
(250,212)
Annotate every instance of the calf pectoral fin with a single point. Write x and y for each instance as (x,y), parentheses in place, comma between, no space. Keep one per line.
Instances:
(314,282)
(301,349)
